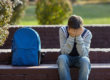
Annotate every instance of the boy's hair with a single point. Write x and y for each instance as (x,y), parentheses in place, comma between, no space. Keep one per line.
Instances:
(75,22)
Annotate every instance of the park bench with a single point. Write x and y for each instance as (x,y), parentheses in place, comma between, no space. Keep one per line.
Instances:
(49,34)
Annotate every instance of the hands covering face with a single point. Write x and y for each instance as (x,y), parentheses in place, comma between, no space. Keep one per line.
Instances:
(75,32)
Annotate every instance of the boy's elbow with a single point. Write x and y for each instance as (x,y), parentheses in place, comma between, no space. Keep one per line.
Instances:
(64,51)
(84,53)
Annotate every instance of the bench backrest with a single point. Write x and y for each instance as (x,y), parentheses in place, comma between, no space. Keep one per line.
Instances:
(50,36)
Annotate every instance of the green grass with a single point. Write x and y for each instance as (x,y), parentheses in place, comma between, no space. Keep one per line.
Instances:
(29,17)
(91,13)
(94,14)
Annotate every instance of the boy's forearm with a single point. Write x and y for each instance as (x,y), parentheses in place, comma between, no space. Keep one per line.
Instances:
(83,46)
(68,46)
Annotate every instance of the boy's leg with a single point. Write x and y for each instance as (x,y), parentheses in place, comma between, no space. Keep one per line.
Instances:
(85,68)
(65,61)
(63,67)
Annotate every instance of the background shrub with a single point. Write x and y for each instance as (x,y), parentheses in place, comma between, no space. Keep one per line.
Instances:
(18,10)
(73,1)
(52,11)
(5,15)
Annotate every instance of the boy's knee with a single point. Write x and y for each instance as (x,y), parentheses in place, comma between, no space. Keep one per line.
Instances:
(62,59)
(84,61)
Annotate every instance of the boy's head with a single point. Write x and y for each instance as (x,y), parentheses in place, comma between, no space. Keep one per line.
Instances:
(75,22)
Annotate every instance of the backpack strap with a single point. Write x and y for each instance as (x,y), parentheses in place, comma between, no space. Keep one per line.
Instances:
(84,33)
(65,30)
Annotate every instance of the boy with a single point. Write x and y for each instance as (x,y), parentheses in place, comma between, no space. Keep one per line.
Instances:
(74,43)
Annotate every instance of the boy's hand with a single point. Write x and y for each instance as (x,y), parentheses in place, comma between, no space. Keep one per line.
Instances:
(72,32)
(75,32)
(79,31)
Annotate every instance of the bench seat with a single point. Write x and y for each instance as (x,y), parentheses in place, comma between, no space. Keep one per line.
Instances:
(49,72)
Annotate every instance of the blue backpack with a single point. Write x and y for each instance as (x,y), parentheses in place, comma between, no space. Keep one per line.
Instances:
(26,47)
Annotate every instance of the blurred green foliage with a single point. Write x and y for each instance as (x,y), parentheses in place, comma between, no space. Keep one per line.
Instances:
(5,12)
(18,10)
(5,15)
(53,11)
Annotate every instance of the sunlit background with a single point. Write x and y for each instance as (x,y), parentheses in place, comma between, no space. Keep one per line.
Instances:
(92,11)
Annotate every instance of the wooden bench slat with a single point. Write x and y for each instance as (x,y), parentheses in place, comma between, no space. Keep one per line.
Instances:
(50,66)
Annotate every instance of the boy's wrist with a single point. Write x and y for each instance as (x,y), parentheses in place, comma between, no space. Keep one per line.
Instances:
(71,37)
(78,37)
